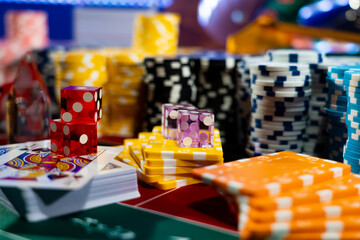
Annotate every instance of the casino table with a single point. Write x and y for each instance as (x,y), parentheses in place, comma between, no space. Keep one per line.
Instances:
(191,212)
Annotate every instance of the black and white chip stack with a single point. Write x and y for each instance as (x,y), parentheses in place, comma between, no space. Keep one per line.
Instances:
(243,97)
(167,80)
(314,138)
(280,96)
(216,79)
(45,61)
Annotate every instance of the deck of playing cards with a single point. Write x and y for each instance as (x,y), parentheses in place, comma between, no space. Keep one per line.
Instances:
(39,185)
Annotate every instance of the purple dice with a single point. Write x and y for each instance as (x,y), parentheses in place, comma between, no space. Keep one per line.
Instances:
(169,118)
(195,129)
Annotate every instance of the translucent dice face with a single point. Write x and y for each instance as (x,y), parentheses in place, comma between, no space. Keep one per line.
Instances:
(81,104)
(79,139)
(195,129)
(56,136)
(169,118)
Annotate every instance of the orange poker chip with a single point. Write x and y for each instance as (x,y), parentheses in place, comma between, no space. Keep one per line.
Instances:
(271,174)
(264,230)
(327,191)
(335,209)
(324,235)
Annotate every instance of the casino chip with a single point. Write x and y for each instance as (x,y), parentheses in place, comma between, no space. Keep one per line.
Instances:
(167,80)
(351,149)
(336,109)
(280,98)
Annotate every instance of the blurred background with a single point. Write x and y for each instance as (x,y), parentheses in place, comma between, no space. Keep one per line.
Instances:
(104,43)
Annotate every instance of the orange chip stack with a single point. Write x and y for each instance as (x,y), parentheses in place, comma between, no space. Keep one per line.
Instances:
(163,164)
(288,195)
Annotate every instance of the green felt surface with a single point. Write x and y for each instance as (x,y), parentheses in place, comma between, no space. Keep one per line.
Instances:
(113,221)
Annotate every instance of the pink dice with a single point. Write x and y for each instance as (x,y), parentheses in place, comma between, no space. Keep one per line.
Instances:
(75,134)
(169,118)
(81,104)
(195,129)
(79,139)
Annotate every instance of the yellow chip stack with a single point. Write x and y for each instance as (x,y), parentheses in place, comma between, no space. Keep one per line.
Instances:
(157,34)
(163,164)
(123,93)
(81,67)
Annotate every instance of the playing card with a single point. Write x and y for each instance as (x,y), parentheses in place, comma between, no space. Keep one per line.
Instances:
(33,165)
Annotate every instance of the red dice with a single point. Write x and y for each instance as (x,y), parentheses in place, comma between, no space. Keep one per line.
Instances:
(81,104)
(79,139)
(75,134)
(56,136)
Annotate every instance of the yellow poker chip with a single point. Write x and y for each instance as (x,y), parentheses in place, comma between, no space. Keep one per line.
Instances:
(125,157)
(178,163)
(271,174)
(168,149)
(130,142)
(156,129)
(166,170)
(135,152)
(166,185)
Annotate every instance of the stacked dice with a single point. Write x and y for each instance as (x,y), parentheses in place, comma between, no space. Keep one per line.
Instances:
(75,133)
(188,141)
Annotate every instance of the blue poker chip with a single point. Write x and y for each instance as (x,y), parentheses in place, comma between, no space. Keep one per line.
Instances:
(333,86)
(352,106)
(335,113)
(332,92)
(338,98)
(353,112)
(336,107)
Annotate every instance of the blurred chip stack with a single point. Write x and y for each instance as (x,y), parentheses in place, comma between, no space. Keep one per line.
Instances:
(217,79)
(123,103)
(243,97)
(167,80)
(156,34)
(45,61)
(29,29)
(351,149)
(287,195)
(80,68)
(336,107)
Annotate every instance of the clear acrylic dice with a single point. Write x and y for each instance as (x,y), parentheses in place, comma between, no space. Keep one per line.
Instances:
(81,104)
(195,129)
(169,118)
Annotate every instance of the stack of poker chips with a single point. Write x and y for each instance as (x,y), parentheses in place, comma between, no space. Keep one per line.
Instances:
(280,95)
(124,91)
(163,164)
(336,107)
(186,140)
(81,67)
(27,28)
(243,97)
(45,61)
(167,80)
(288,195)
(156,34)
(313,139)
(352,146)
(217,78)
